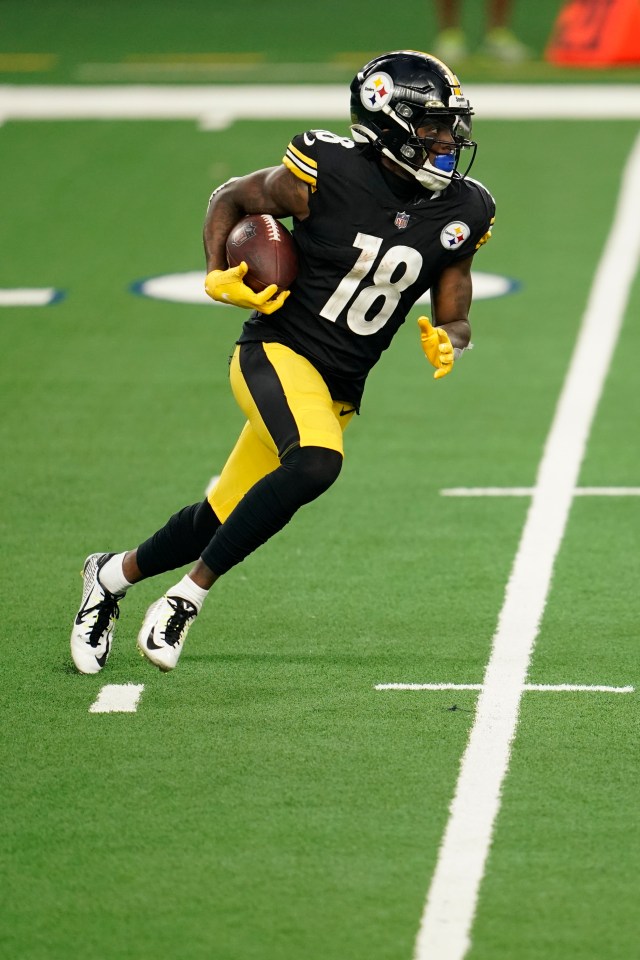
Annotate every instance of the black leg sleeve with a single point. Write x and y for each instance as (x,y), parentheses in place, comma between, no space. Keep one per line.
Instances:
(304,474)
(180,541)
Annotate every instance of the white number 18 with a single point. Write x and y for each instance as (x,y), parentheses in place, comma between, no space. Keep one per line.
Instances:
(383,286)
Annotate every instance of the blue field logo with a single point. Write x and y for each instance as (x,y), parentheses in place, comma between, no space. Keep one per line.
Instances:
(189,288)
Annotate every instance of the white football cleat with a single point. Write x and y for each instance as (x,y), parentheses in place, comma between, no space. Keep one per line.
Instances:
(164,630)
(93,628)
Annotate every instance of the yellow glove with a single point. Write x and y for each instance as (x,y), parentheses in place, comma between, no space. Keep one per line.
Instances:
(227,286)
(437,347)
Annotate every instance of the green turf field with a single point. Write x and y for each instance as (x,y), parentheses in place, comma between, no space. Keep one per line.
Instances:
(265,801)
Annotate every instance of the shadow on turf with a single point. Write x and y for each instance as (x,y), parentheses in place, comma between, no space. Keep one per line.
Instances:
(67,667)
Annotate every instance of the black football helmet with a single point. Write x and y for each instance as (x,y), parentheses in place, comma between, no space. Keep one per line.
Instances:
(396,94)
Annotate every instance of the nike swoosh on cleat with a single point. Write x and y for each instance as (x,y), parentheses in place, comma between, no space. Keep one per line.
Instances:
(153,646)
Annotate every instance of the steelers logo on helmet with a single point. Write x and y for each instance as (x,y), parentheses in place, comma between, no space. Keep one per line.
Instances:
(376,91)
(454,234)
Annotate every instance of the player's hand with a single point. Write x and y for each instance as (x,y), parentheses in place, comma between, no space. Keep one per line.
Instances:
(227,286)
(437,347)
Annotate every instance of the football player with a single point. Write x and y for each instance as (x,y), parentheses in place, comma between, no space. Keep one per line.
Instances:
(379,219)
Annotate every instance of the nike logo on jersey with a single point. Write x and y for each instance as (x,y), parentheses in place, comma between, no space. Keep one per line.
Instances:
(345,412)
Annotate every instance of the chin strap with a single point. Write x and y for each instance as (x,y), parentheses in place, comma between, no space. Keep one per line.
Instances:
(427,176)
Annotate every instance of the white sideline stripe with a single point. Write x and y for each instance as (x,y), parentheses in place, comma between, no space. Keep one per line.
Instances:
(216,106)
(529,491)
(542,687)
(444,932)
(117,698)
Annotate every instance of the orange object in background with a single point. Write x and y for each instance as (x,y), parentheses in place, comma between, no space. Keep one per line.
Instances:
(596,33)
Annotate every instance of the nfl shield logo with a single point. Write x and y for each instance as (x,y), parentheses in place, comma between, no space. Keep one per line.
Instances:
(401,220)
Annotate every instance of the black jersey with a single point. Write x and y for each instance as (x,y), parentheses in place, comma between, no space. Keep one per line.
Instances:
(365,257)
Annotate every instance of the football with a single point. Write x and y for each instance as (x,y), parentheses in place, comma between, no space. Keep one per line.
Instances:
(268,250)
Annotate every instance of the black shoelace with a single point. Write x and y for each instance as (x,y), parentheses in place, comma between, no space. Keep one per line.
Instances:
(183,612)
(108,610)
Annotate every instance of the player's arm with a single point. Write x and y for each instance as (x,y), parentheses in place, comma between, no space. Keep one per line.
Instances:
(451,302)
(275,191)
(450,333)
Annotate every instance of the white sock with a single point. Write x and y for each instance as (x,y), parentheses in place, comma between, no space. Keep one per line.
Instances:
(189,590)
(111,576)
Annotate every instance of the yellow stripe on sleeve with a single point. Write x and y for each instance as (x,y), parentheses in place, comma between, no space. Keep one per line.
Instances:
(305,168)
(307,161)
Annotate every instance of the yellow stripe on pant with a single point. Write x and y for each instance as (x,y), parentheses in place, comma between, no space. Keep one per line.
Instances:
(318,420)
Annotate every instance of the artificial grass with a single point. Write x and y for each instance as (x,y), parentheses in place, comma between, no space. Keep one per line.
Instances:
(265,801)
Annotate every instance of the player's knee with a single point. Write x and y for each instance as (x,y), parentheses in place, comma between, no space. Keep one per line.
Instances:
(205,522)
(194,524)
(315,469)
(180,541)
(192,528)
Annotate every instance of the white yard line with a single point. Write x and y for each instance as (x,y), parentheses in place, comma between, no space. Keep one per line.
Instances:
(215,107)
(576,687)
(445,927)
(541,687)
(117,698)
(529,491)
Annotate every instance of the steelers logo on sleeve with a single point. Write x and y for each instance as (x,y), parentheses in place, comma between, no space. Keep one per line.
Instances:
(454,235)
